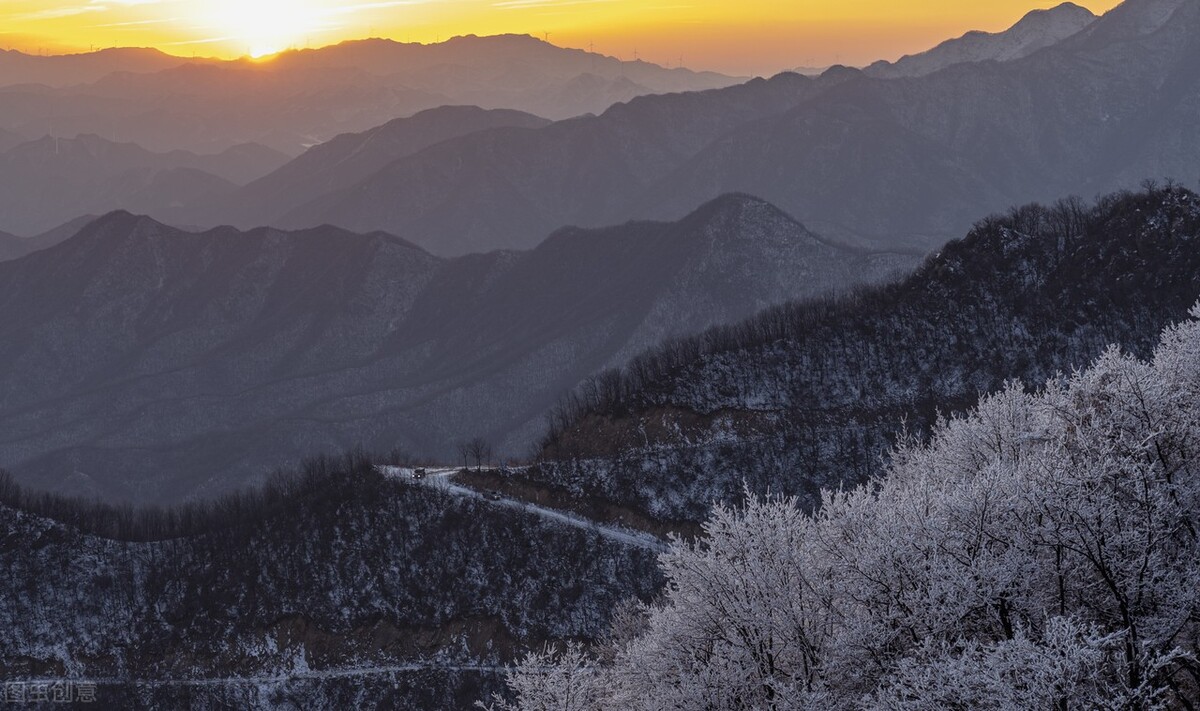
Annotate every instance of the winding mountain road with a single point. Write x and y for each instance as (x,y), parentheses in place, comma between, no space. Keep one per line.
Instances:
(442,478)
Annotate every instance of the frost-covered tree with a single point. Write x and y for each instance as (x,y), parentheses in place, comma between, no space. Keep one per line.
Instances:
(546,681)
(1040,552)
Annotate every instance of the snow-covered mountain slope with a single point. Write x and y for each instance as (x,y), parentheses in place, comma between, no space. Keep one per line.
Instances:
(813,394)
(353,584)
(443,480)
(338,586)
(1037,30)
(1004,565)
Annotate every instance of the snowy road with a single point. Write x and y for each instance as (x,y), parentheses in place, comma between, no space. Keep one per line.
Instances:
(441,478)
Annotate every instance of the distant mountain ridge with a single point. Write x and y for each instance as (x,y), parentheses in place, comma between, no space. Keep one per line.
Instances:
(352,158)
(14,247)
(1037,30)
(139,361)
(304,97)
(503,188)
(368,584)
(83,68)
(52,180)
(431,66)
(899,163)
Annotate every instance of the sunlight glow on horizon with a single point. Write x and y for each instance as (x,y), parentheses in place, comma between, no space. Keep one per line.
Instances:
(749,37)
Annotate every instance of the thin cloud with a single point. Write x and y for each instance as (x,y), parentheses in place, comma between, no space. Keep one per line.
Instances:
(138,23)
(54,13)
(530,4)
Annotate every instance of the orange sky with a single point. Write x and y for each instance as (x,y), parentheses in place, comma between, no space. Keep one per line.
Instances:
(748,36)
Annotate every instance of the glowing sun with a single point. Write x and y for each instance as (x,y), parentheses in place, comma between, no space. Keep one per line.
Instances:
(266,27)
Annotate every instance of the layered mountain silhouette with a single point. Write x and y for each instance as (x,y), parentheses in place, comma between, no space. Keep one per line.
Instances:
(491,71)
(82,68)
(500,188)
(14,247)
(813,395)
(909,162)
(144,362)
(305,97)
(496,238)
(1037,30)
(47,182)
(351,158)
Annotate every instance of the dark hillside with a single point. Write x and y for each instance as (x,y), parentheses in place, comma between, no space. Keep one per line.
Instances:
(812,394)
(340,575)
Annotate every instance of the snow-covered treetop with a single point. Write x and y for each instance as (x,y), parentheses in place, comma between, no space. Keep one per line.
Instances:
(1041,552)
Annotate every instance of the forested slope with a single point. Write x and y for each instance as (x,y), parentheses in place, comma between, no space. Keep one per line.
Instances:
(338,574)
(1039,552)
(814,393)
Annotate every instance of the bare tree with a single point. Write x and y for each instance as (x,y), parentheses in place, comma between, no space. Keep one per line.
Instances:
(479,451)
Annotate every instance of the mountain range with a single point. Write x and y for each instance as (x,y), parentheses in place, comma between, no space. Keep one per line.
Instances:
(1037,30)
(1061,103)
(142,362)
(888,163)
(22,68)
(499,188)
(352,581)
(14,247)
(304,97)
(351,158)
(53,180)
(429,335)
(366,392)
